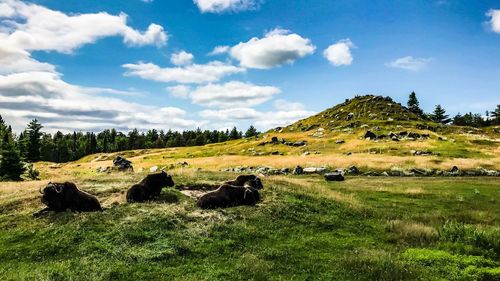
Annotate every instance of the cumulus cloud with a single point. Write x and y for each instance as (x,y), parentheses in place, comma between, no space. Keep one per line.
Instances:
(182,58)
(189,74)
(494,20)
(232,94)
(339,53)
(218,50)
(179,91)
(63,106)
(220,6)
(33,89)
(284,113)
(278,47)
(29,29)
(410,63)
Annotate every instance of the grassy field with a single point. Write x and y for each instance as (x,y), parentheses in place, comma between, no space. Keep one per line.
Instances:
(365,228)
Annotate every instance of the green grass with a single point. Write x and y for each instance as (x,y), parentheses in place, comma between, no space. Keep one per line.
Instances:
(305,229)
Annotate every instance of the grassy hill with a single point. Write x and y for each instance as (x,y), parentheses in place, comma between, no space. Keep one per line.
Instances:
(366,228)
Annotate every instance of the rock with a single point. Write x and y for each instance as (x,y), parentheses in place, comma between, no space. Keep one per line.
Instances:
(392,135)
(381,136)
(334,177)
(353,170)
(425,136)
(349,116)
(370,135)
(315,170)
(421,152)
(299,143)
(394,138)
(385,174)
(403,133)
(306,153)
(298,170)
(340,142)
(274,140)
(454,169)
(122,164)
(348,153)
(183,164)
(413,135)
(285,171)
(418,172)
(275,153)
(153,169)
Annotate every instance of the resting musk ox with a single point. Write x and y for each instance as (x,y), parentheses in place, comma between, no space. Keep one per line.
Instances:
(59,197)
(149,187)
(252,180)
(229,196)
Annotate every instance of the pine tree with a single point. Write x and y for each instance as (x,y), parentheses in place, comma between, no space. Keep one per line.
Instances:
(11,167)
(413,105)
(496,115)
(439,115)
(33,134)
(251,132)
(234,134)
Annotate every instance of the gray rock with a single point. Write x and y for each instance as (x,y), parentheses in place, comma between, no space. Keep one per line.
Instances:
(370,135)
(298,170)
(334,177)
(315,170)
(153,169)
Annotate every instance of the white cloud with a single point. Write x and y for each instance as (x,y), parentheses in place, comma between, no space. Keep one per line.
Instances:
(278,47)
(232,94)
(194,73)
(339,53)
(179,91)
(219,50)
(263,120)
(410,63)
(219,6)
(67,107)
(14,60)
(182,58)
(495,20)
(28,28)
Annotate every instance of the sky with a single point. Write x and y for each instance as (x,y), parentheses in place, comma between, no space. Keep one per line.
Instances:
(93,65)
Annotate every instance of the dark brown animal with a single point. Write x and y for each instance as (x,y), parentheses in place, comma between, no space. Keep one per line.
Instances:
(252,180)
(59,197)
(149,188)
(229,196)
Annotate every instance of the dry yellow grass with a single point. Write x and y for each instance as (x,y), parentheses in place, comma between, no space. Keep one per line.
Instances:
(411,231)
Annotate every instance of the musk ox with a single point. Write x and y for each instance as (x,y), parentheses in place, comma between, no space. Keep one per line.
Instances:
(230,196)
(60,197)
(251,180)
(149,188)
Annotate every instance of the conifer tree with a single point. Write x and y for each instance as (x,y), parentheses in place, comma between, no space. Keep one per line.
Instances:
(251,132)
(439,115)
(414,105)
(33,135)
(11,167)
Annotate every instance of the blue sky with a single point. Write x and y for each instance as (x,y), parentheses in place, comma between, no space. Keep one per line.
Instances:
(91,65)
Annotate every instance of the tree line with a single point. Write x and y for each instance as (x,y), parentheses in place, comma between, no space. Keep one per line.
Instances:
(469,119)
(33,145)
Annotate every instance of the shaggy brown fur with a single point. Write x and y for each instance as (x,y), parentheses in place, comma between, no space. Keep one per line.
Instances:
(60,197)
(149,188)
(229,196)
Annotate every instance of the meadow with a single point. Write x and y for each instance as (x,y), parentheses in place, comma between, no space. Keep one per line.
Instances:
(366,228)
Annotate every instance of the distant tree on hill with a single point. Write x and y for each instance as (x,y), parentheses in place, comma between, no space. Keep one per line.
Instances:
(496,115)
(234,134)
(439,115)
(251,132)
(33,135)
(414,105)
(11,167)
(470,119)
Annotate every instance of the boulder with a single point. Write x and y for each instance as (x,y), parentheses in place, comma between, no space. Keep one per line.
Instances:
(122,164)
(315,170)
(274,140)
(340,142)
(334,176)
(153,169)
(353,170)
(370,135)
(298,170)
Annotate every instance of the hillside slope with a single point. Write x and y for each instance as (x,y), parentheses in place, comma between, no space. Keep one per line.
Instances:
(368,109)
